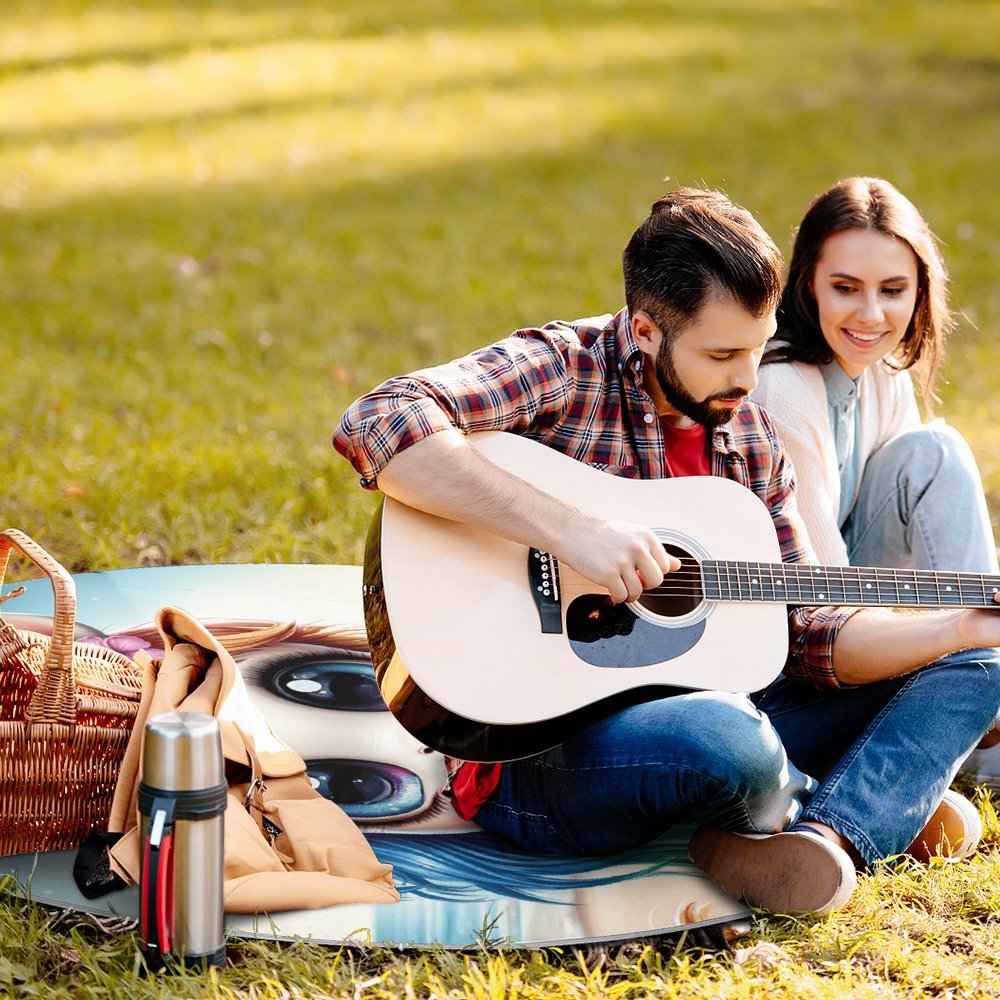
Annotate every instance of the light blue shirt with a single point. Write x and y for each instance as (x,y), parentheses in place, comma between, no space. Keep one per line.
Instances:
(842,402)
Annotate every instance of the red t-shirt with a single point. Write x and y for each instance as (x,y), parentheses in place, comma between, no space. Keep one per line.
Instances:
(686,455)
(686,450)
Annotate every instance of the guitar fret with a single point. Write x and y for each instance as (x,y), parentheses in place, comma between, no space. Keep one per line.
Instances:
(851,584)
(949,589)
(707,568)
(800,596)
(789,579)
(867,586)
(778,587)
(928,591)
(715,581)
(740,576)
(726,584)
(767,583)
(909,591)
(775,594)
(968,588)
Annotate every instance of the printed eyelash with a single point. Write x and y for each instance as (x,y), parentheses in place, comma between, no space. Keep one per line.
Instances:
(437,807)
(254,663)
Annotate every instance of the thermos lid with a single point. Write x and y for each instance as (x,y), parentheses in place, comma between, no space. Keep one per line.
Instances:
(182,752)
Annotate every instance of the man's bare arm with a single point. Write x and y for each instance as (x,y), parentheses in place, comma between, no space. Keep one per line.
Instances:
(444,475)
(877,643)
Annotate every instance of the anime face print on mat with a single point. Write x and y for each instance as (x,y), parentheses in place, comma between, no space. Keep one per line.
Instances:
(316,688)
(321,698)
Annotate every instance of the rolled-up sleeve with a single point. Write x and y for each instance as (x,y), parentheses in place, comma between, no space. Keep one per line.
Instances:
(812,632)
(515,384)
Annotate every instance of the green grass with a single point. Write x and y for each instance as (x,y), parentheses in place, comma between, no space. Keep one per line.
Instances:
(912,931)
(221,221)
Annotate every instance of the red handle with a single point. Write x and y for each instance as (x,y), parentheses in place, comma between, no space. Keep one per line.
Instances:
(165,893)
(156,905)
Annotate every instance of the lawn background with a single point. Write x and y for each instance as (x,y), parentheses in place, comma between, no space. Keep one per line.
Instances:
(222,221)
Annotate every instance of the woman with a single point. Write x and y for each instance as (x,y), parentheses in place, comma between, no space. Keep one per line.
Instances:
(865,304)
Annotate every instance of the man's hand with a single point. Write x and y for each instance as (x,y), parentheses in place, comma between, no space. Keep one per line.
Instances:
(624,558)
(980,627)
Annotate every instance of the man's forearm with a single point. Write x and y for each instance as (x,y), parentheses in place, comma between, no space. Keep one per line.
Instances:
(878,643)
(444,475)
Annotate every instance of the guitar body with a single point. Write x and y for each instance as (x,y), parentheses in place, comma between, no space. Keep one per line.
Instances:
(471,663)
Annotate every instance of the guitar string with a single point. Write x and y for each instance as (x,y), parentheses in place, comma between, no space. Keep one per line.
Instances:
(682,581)
(688,581)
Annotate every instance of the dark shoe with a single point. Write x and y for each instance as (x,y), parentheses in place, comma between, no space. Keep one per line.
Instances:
(953,832)
(781,872)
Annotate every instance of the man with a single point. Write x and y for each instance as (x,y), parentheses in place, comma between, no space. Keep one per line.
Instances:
(857,742)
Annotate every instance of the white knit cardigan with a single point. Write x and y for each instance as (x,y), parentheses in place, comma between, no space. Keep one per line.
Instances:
(794,395)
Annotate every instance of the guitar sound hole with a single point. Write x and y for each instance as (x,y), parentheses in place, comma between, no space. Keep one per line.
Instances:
(680,593)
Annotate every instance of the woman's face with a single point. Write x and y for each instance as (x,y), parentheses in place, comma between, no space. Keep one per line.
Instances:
(865,285)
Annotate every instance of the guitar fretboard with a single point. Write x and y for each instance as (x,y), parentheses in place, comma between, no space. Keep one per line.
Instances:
(792,583)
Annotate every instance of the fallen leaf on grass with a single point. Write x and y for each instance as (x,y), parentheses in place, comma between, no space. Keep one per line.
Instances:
(765,954)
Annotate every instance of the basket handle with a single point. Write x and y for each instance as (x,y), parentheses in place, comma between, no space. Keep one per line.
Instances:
(54,700)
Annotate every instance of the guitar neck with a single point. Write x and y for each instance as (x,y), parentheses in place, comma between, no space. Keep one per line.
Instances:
(801,583)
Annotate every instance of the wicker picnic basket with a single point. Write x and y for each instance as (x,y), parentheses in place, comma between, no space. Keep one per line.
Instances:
(66,711)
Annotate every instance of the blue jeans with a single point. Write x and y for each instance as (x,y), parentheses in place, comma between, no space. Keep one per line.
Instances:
(921,506)
(885,753)
(706,757)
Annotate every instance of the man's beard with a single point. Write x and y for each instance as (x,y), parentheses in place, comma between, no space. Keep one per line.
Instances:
(680,399)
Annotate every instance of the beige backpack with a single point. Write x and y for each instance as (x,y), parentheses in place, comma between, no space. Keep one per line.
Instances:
(286,847)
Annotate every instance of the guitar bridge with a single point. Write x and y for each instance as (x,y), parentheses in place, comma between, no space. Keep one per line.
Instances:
(543,578)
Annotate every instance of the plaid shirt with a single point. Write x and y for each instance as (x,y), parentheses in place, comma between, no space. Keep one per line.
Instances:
(577,387)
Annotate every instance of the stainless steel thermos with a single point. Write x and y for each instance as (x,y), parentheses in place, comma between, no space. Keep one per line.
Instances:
(182,801)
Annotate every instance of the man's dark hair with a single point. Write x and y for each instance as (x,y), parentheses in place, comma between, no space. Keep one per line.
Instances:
(694,244)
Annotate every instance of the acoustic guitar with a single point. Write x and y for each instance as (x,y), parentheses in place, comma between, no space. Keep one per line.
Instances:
(488,650)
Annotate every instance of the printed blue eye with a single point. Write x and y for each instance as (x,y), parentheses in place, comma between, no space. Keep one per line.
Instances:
(366,789)
(346,686)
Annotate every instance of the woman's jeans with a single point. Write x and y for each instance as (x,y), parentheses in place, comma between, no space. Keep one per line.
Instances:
(884,753)
(921,506)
